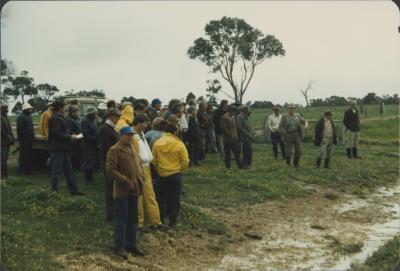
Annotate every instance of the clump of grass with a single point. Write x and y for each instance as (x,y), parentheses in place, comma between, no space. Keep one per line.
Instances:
(217,246)
(343,249)
(330,195)
(192,218)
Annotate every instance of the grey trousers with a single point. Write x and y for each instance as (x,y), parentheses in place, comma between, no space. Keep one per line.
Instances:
(325,151)
(293,140)
(353,139)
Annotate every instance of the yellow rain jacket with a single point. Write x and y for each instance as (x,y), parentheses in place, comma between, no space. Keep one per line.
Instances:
(44,123)
(126,118)
(170,155)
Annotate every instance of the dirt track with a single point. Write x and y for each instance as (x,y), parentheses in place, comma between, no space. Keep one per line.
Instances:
(298,234)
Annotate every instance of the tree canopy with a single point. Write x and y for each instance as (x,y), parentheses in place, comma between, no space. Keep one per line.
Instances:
(234,48)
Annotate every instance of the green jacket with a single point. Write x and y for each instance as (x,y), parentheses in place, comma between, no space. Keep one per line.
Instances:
(244,129)
(285,124)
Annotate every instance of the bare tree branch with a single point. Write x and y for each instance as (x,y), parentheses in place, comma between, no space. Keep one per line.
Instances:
(227,94)
(306,92)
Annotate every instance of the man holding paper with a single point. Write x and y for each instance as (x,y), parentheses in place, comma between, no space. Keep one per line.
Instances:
(60,146)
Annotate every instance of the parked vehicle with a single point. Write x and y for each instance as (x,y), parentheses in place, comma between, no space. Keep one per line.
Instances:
(40,145)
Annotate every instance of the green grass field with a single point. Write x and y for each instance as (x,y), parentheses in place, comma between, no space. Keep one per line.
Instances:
(38,226)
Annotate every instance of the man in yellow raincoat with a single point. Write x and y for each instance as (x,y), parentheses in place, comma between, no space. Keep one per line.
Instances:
(146,202)
(170,159)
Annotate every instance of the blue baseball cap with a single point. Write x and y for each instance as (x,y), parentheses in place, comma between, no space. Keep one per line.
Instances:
(155,101)
(126,130)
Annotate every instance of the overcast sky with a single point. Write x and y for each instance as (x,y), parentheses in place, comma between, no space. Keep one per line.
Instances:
(140,48)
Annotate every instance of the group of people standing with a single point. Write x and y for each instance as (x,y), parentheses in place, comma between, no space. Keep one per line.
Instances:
(286,131)
(144,149)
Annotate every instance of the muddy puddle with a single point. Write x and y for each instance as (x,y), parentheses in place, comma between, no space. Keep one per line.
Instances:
(318,234)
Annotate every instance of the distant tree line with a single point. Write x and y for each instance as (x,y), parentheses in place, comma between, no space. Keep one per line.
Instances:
(370,98)
(22,88)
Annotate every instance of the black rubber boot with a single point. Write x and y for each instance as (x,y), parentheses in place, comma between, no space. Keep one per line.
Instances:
(355,153)
(276,154)
(288,161)
(296,161)
(318,164)
(348,150)
(326,165)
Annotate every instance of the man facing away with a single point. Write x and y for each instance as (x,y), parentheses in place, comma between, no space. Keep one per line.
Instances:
(26,135)
(230,136)
(89,143)
(74,125)
(218,113)
(170,160)
(43,125)
(154,110)
(325,137)
(193,137)
(7,139)
(246,134)
(108,137)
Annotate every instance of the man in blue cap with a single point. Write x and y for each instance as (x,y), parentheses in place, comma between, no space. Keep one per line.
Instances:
(123,166)
(154,110)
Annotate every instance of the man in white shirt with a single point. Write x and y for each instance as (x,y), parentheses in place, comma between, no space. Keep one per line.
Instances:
(273,123)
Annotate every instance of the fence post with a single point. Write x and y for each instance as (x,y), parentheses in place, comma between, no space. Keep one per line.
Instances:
(382,108)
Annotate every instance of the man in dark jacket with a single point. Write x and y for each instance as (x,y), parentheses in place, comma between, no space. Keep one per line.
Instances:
(246,135)
(7,139)
(193,137)
(74,126)
(325,137)
(26,135)
(229,132)
(218,113)
(211,140)
(154,110)
(351,121)
(60,141)
(108,137)
(89,143)
(202,120)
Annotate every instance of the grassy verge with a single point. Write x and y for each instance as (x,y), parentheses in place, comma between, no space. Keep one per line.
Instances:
(38,226)
(385,259)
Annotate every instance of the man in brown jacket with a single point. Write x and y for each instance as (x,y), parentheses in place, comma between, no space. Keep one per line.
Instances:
(230,137)
(123,166)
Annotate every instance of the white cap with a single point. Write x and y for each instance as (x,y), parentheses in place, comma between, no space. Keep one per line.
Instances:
(102,106)
(26,106)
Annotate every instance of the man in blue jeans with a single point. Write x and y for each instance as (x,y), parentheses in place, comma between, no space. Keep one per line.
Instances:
(123,166)
(60,141)
(170,160)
